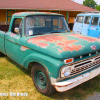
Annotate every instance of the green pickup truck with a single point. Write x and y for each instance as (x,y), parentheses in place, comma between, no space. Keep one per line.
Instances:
(59,60)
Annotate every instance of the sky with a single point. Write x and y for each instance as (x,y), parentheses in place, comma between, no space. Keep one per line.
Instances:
(81,1)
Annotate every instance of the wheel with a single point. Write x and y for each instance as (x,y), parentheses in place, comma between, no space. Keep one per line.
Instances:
(41,80)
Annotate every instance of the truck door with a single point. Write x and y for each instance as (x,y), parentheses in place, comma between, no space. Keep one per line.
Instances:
(93,29)
(12,40)
(86,25)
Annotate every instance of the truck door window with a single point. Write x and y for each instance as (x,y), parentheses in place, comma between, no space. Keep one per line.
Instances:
(17,24)
(79,19)
(94,21)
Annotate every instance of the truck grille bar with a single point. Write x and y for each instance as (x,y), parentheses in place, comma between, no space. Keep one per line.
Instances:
(85,65)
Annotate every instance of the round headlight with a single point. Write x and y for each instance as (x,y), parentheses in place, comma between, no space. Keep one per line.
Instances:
(66,74)
(65,71)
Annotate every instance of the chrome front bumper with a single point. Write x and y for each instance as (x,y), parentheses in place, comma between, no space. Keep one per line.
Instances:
(66,85)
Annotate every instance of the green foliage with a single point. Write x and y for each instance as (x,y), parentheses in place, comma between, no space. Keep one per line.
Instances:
(97,7)
(90,3)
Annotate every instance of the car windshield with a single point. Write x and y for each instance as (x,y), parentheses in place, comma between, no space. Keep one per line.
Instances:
(36,25)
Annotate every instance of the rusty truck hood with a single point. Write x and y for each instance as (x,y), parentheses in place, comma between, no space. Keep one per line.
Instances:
(63,45)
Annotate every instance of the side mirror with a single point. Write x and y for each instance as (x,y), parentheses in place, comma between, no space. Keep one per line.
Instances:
(16,30)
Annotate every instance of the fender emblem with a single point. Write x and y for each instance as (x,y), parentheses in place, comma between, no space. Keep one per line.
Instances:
(93,47)
(23,48)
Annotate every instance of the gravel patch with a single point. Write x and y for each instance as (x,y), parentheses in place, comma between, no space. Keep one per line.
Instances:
(95,96)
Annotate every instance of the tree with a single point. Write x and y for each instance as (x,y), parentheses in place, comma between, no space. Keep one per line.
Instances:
(90,3)
(97,7)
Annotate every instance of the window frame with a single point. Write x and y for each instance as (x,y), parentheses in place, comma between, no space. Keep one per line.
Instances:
(97,22)
(12,28)
(85,18)
(9,16)
(82,20)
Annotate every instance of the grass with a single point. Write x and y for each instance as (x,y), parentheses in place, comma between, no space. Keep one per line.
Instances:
(14,78)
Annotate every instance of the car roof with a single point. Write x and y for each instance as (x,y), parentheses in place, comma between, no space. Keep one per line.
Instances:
(89,14)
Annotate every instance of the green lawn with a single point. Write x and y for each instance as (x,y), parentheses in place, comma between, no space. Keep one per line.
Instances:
(14,78)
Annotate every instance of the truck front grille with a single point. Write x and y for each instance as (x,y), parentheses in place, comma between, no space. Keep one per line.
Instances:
(84,65)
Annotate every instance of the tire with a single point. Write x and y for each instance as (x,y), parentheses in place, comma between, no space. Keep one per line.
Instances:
(41,80)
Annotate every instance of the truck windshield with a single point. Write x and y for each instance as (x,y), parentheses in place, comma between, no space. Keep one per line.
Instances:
(36,25)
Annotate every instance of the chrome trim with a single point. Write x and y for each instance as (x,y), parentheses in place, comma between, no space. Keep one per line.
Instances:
(84,65)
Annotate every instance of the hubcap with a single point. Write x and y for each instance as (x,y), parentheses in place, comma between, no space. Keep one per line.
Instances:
(40,79)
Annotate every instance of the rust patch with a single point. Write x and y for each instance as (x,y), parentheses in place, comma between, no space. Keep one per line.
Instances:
(23,48)
(59,40)
(90,39)
(30,12)
(65,85)
(41,40)
(19,13)
(68,45)
(48,13)
(36,41)
(70,48)
(13,34)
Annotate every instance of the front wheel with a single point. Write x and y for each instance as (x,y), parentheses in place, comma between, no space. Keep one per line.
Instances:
(41,80)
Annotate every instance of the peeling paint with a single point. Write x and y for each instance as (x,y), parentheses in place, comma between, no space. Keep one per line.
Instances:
(85,38)
(23,48)
(13,34)
(34,41)
(60,41)
(30,12)
(68,45)
(19,13)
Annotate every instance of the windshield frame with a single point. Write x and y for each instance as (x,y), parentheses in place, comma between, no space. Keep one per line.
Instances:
(64,22)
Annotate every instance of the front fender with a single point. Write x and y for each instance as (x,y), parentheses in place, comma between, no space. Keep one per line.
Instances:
(52,65)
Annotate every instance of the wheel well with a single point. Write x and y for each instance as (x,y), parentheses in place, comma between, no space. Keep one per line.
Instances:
(31,64)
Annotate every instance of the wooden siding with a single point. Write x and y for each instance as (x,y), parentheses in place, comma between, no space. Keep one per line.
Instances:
(2,16)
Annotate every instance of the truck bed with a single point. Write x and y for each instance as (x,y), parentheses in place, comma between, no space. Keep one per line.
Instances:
(4,28)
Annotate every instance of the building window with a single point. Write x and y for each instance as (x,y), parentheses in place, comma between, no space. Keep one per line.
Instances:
(9,15)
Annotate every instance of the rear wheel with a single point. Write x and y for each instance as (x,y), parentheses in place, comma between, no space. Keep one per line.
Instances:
(41,80)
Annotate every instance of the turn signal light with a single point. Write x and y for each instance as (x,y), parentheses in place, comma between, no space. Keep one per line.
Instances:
(68,60)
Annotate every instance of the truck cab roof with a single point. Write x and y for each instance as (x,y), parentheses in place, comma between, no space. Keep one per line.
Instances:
(34,13)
